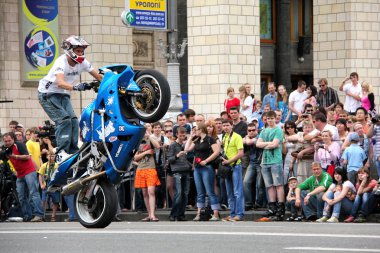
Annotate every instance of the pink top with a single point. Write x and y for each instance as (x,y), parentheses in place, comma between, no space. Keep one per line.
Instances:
(312,100)
(366,103)
(325,157)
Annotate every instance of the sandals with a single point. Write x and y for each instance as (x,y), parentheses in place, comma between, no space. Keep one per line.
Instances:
(146,219)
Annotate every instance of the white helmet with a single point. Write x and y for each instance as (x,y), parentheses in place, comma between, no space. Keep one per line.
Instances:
(73,42)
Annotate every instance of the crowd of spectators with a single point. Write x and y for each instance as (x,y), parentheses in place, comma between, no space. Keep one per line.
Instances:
(306,152)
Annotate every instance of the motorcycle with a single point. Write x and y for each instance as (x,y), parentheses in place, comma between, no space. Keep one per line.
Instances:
(111,133)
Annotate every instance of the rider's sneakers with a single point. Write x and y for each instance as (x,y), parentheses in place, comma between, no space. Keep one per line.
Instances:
(61,156)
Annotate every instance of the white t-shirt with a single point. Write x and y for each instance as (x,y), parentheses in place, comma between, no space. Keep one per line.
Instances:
(71,74)
(248,111)
(297,98)
(351,104)
(345,184)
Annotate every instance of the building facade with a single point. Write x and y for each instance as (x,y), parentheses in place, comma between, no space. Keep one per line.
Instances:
(229,43)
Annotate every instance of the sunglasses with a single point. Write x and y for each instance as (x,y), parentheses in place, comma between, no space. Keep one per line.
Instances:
(322,85)
(251,130)
(168,131)
(289,127)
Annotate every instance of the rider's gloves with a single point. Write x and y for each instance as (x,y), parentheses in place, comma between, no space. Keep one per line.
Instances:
(82,86)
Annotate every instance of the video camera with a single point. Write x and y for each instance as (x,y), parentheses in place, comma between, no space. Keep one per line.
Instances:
(47,130)
(375,119)
(4,152)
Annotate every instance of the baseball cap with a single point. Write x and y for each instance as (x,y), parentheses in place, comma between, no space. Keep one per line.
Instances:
(291,178)
(20,125)
(354,137)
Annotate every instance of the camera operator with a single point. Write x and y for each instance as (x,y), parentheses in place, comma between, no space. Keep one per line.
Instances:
(18,154)
(54,95)
(181,168)
(328,152)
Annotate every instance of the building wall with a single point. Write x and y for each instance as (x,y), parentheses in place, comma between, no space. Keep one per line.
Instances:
(224,51)
(347,39)
(98,21)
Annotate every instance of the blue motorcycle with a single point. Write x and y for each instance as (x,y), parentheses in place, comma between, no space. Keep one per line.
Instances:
(111,133)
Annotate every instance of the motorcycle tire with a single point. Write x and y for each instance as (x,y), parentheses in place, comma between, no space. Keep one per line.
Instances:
(100,209)
(154,105)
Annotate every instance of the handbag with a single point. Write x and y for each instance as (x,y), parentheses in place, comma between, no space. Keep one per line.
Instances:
(225,171)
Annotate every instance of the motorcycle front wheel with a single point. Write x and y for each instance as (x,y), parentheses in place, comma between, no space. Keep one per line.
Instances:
(100,208)
(154,103)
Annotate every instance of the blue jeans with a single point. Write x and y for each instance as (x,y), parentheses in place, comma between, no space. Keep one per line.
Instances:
(29,185)
(377,163)
(250,178)
(315,206)
(362,204)
(59,109)
(344,206)
(182,187)
(261,191)
(204,178)
(352,176)
(235,192)
(70,204)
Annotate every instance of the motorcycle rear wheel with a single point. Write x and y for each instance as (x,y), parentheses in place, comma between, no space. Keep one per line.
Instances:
(100,209)
(154,105)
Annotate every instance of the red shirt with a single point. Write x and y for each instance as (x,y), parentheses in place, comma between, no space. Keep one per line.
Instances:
(228,103)
(22,167)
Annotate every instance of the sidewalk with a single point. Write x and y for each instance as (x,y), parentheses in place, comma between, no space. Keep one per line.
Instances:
(163,215)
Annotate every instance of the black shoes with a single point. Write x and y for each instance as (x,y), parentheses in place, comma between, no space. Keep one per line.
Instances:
(179,218)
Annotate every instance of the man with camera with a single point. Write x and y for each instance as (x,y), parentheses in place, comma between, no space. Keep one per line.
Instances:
(18,154)
(181,168)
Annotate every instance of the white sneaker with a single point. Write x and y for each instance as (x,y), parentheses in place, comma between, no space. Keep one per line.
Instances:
(61,156)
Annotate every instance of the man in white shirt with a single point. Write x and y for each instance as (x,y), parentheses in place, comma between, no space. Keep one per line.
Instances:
(352,90)
(296,100)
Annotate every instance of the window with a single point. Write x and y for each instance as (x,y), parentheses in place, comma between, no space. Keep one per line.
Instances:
(301,14)
(267,27)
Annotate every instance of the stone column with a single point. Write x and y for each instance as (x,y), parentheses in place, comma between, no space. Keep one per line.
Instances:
(347,39)
(224,51)
(283,61)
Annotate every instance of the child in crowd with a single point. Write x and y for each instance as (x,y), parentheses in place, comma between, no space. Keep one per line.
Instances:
(353,157)
(45,173)
(291,200)
(258,112)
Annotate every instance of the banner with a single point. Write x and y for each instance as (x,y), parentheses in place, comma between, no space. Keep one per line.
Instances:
(145,14)
(39,38)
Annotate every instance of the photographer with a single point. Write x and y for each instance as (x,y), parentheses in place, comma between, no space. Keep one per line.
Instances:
(181,168)
(54,95)
(328,152)
(17,153)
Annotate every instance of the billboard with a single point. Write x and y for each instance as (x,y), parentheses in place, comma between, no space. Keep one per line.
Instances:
(39,38)
(145,14)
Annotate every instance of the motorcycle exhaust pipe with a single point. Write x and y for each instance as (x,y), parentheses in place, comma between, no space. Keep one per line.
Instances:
(78,184)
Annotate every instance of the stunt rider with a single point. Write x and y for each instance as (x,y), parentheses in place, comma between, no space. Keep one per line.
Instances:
(54,93)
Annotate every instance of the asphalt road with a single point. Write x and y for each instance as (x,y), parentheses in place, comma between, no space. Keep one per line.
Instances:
(183,237)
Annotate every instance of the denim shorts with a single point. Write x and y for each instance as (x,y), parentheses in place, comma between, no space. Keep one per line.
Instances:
(55,196)
(272,174)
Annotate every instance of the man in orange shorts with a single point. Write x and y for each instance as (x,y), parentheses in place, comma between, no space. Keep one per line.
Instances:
(146,174)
